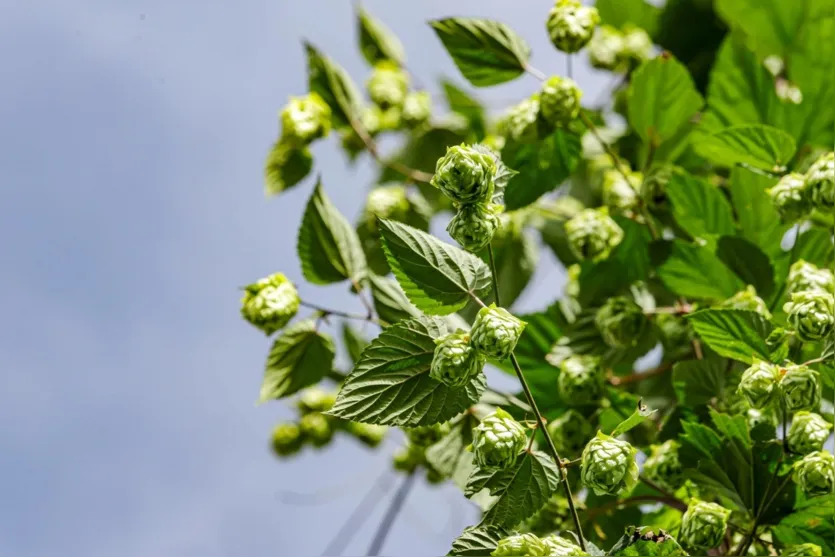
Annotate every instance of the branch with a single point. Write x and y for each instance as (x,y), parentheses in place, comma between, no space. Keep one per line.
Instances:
(636,376)
(411,173)
(391,514)
(339,313)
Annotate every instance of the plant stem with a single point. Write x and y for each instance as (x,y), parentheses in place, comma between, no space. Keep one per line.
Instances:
(639,376)
(391,514)
(411,173)
(347,315)
(792,255)
(496,297)
(520,404)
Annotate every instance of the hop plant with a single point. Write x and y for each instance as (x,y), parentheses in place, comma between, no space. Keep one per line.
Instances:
(370,435)
(637,46)
(802,550)
(571,25)
(270,303)
(286,439)
(423,436)
(663,465)
(386,202)
(747,300)
(703,525)
(521,121)
(801,388)
(806,276)
(474,225)
(605,48)
(808,432)
(593,234)
(815,473)
(495,332)
(521,545)
(811,314)
(555,515)
(620,194)
(305,119)
(466,174)
(455,361)
(571,431)
(621,322)
(559,101)
(581,379)
(561,547)
(388,85)
(316,428)
(417,108)
(608,466)
(820,183)
(760,384)
(497,441)
(789,197)
(315,399)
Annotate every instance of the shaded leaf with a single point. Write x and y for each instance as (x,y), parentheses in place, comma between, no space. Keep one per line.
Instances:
(698,206)
(285,167)
(449,455)
(377,43)
(390,302)
(478,541)
(693,271)
(333,84)
(760,146)
(748,262)
(462,103)
(755,212)
(354,341)
(733,333)
(300,357)
(697,382)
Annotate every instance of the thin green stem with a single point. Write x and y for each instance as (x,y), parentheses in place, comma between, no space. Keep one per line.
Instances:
(496,297)
(347,315)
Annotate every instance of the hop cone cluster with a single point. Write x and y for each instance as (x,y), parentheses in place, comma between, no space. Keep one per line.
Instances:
(270,303)
(286,439)
(466,174)
(808,432)
(559,101)
(571,25)
(417,108)
(561,547)
(497,441)
(521,545)
(820,183)
(663,465)
(811,314)
(571,431)
(388,85)
(608,465)
(747,300)
(703,525)
(806,276)
(474,225)
(801,388)
(496,331)
(455,361)
(621,322)
(581,380)
(802,550)
(305,119)
(593,234)
(760,384)
(789,197)
(815,473)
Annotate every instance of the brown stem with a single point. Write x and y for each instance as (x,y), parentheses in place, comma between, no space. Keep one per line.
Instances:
(411,173)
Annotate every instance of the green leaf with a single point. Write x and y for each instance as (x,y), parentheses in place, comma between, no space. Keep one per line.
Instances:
(732,427)
(619,13)
(377,42)
(693,271)
(517,256)
(462,103)
(641,413)
(813,522)
(644,542)
(354,342)
(521,490)
(697,382)
(759,146)
(334,85)
(328,246)
(755,212)
(285,167)
(699,207)
(390,302)
(748,262)
(541,166)
(486,52)
(437,278)
(390,385)
(815,246)
(733,333)
(662,99)
(449,455)
(300,357)
(478,541)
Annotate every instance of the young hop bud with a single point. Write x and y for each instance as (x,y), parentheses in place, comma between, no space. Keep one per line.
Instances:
(608,465)
(571,431)
(304,119)
(495,332)
(703,525)
(571,25)
(593,234)
(811,314)
(605,48)
(802,550)
(559,101)
(466,174)
(581,380)
(425,435)
(815,473)
(370,435)
(315,399)
(808,432)
(621,322)
(455,361)
(760,384)
(747,300)
(270,303)
(637,46)
(820,183)
(618,194)
(663,466)
(801,388)
(417,108)
(286,439)
(561,547)
(474,224)
(316,428)
(521,545)
(520,123)
(806,276)
(789,197)
(497,441)
(555,515)
(388,85)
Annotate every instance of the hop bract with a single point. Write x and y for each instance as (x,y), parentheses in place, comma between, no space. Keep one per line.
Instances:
(571,25)
(369,434)
(815,473)
(570,432)
(316,428)
(497,441)
(620,194)
(455,361)
(760,384)
(388,85)
(496,331)
(806,276)
(663,465)
(286,439)
(621,322)
(561,547)
(521,121)
(466,174)
(521,545)
(474,225)
(747,300)
(608,465)
(789,197)
(593,234)
(559,101)
(808,432)
(605,48)
(304,119)
(802,550)
(417,108)
(820,183)
(270,303)
(801,388)
(811,314)
(703,525)
(581,380)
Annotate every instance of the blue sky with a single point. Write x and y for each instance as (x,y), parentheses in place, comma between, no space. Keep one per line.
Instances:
(133,138)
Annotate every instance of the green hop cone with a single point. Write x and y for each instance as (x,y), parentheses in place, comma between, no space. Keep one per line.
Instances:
(789,197)
(474,224)
(815,473)
(620,194)
(760,384)
(806,276)
(390,119)
(703,525)
(521,122)
(820,183)
(811,314)
(417,108)
(370,435)
(386,202)
(316,428)
(561,547)
(581,380)
(425,435)
(495,332)
(747,300)
(388,85)
(521,545)
(593,234)
(408,458)
(608,466)
(571,431)
(304,119)
(801,388)
(466,174)
(455,361)
(270,303)
(571,25)
(637,46)
(605,48)
(663,465)
(497,441)
(315,399)
(802,550)
(621,322)
(559,101)
(554,516)
(286,439)
(808,432)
